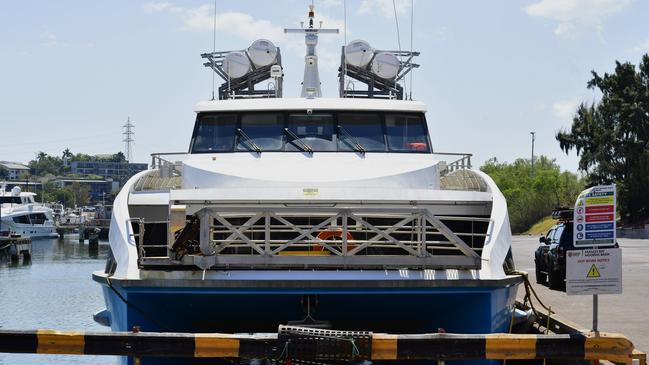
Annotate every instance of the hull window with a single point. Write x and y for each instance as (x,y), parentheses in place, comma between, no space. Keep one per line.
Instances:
(10,200)
(21,219)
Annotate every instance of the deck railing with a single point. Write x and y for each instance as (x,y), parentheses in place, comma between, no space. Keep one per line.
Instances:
(459,161)
(167,166)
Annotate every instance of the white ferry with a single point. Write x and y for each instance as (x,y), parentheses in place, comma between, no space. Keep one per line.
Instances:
(330,212)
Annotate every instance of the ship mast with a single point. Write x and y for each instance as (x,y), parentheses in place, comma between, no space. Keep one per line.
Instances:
(311,82)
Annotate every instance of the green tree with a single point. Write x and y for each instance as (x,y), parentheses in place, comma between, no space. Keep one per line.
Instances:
(118,157)
(45,164)
(611,137)
(81,193)
(533,194)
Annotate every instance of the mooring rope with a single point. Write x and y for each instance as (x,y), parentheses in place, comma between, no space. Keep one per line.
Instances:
(529,292)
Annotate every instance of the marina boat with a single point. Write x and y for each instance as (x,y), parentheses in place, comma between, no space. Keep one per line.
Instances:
(21,215)
(329,212)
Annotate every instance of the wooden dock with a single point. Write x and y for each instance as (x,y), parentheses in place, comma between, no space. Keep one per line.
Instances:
(14,247)
(91,230)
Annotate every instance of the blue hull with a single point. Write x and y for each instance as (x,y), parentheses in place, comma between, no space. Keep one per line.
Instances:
(476,309)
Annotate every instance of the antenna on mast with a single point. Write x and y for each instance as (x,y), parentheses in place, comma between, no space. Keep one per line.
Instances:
(311,82)
(128,138)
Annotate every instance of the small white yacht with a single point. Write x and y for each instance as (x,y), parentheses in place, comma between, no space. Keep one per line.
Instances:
(20,214)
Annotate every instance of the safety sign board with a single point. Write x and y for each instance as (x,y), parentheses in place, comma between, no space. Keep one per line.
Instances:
(594,217)
(594,271)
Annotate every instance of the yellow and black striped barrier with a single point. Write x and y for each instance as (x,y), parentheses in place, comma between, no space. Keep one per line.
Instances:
(370,346)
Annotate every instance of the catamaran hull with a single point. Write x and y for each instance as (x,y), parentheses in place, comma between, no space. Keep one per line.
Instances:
(469,309)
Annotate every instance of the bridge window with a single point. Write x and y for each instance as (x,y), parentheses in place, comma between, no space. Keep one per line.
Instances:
(406,133)
(361,130)
(314,131)
(264,131)
(215,133)
(324,131)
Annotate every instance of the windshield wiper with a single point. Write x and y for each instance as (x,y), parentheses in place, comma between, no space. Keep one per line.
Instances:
(305,147)
(357,146)
(248,141)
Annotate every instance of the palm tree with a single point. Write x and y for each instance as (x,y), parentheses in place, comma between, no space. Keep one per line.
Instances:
(41,156)
(67,154)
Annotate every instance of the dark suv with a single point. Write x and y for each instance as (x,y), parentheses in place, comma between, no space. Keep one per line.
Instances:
(550,256)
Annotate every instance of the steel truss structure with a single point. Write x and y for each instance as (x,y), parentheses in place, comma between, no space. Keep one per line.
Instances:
(333,238)
(376,87)
(244,86)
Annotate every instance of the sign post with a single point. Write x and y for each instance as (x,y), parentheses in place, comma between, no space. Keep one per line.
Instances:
(594,269)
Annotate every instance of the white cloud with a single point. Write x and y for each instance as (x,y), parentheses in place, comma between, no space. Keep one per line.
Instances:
(565,109)
(49,39)
(249,28)
(201,18)
(384,7)
(576,15)
(643,47)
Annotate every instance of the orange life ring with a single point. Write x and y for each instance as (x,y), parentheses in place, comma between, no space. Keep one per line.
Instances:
(333,233)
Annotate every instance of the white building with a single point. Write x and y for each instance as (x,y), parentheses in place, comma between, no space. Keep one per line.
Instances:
(13,170)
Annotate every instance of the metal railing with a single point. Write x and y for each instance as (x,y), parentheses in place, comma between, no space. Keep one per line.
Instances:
(338,238)
(459,161)
(139,235)
(167,167)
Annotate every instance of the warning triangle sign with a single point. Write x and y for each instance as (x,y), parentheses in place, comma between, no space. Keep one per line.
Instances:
(593,272)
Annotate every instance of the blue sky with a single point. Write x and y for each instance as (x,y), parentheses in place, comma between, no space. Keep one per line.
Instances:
(71,72)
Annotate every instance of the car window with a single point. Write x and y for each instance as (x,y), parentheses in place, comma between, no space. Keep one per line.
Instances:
(548,236)
(566,238)
(557,234)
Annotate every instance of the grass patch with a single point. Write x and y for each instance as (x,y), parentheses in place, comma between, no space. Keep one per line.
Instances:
(541,227)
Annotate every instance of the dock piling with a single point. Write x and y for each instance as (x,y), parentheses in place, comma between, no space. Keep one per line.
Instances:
(14,247)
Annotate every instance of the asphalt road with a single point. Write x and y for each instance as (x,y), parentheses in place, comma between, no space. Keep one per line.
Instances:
(627,313)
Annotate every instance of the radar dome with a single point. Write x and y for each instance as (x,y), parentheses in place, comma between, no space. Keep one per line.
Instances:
(358,53)
(236,64)
(15,191)
(386,65)
(262,52)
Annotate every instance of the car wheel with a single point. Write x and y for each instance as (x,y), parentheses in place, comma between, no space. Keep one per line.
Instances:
(541,278)
(555,281)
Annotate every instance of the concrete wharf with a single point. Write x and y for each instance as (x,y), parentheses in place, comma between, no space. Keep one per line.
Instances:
(14,247)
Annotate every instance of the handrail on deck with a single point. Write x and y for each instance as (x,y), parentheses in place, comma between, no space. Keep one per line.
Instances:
(167,168)
(461,163)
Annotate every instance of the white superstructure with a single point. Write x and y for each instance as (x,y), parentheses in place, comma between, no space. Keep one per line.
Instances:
(318,183)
